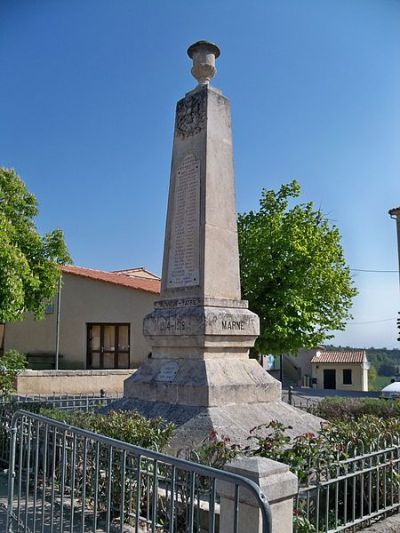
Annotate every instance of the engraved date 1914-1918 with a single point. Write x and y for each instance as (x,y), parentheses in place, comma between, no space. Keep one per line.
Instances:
(172,324)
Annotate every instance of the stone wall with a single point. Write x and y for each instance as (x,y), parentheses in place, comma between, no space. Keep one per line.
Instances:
(83,382)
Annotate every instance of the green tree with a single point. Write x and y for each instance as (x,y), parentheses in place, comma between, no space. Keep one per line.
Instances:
(29,270)
(293,272)
(372,375)
(387,369)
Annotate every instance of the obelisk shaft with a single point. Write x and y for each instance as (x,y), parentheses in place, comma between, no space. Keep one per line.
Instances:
(201,245)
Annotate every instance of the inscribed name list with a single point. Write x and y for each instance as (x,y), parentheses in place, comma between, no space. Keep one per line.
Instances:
(184,255)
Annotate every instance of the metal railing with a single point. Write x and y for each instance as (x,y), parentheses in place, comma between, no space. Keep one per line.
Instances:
(74,402)
(352,491)
(63,478)
(300,401)
(10,404)
(301,395)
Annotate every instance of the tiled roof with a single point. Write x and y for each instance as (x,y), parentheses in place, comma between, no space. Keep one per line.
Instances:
(147,284)
(136,273)
(353,356)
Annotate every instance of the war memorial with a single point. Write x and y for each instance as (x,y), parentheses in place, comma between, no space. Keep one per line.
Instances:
(200,376)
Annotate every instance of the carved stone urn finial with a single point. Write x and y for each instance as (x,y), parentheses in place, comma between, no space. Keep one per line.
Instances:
(204,55)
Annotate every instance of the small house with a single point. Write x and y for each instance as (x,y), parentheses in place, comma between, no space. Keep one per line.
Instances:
(340,370)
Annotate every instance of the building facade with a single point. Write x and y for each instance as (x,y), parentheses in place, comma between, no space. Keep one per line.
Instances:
(296,369)
(100,321)
(341,370)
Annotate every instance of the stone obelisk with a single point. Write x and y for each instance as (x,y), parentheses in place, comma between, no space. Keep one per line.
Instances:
(200,375)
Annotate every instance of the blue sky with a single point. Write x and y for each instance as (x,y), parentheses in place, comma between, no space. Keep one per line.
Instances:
(87,100)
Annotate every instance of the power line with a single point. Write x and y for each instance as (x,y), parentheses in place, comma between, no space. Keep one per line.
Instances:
(367,270)
(371,321)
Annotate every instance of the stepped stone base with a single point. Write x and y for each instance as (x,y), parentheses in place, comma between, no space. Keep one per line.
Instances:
(229,395)
(195,423)
(210,382)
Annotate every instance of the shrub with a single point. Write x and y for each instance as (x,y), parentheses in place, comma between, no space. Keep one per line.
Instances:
(11,364)
(215,451)
(97,471)
(130,427)
(352,408)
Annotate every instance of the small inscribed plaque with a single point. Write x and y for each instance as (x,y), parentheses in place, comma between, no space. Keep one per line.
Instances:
(184,257)
(168,372)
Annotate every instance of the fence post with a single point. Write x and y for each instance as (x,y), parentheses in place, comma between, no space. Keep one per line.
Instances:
(290,395)
(11,471)
(277,483)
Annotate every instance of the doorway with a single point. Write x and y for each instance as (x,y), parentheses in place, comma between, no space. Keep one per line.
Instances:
(108,346)
(330,379)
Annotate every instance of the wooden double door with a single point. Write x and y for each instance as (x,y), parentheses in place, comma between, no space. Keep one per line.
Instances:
(108,346)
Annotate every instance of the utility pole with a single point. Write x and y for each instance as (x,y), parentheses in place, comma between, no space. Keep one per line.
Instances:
(395,214)
(57,358)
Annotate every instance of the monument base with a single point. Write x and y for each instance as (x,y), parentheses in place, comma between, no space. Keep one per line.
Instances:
(195,423)
(210,382)
(229,395)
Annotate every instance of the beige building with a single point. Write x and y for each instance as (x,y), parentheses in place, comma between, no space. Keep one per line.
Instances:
(297,369)
(100,325)
(347,370)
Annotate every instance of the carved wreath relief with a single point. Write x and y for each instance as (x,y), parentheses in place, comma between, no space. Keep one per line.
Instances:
(191,115)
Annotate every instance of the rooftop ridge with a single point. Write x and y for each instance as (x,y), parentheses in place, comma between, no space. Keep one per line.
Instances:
(344,356)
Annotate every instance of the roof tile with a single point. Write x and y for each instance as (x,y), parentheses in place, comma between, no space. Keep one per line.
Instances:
(353,356)
(152,285)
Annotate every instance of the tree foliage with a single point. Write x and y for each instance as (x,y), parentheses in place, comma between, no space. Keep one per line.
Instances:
(293,272)
(372,375)
(29,271)
(387,369)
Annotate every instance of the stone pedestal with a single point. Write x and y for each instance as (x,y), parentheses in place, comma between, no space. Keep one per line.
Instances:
(200,376)
(277,483)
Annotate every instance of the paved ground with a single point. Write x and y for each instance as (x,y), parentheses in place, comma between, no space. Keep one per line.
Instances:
(3,513)
(389,525)
(77,525)
(322,393)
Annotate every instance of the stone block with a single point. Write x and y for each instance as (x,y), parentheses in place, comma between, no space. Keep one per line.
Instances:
(199,320)
(210,382)
(276,482)
(75,382)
